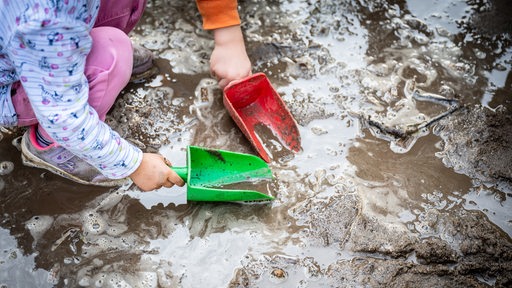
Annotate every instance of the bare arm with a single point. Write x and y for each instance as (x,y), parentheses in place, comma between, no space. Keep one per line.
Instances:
(229,60)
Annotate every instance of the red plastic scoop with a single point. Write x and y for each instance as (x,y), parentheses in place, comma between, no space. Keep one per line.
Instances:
(254,105)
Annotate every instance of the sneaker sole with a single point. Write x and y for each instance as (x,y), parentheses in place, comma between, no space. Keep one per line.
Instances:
(143,76)
(29,159)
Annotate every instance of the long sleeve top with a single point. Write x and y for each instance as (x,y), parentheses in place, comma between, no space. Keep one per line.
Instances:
(44,44)
(218,13)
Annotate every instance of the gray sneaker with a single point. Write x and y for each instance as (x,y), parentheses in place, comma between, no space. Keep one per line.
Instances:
(143,66)
(62,162)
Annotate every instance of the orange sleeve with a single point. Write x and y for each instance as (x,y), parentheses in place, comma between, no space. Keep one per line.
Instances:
(218,13)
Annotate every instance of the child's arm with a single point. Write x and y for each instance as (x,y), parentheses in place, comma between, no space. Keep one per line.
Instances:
(52,75)
(229,60)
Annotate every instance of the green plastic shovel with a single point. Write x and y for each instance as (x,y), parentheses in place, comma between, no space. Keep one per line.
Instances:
(209,171)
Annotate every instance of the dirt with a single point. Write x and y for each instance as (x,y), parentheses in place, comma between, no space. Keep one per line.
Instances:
(478,143)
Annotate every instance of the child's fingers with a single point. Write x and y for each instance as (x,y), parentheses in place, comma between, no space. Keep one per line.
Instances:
(172,178)
(175,179)
(223,83)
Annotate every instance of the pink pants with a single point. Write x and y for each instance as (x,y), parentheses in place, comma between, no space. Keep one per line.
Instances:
(109,64)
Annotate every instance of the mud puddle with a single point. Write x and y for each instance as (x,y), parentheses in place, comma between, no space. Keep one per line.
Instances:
(390,189)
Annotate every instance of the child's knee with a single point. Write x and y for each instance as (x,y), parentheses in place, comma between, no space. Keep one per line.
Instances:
(111,51)
(108,67)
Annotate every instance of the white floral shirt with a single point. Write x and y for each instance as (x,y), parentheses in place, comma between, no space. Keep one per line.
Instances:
(44,45)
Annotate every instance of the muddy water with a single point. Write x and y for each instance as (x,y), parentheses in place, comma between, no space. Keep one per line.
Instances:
(403,178)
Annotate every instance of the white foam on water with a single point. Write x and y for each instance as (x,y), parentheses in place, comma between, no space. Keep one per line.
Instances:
(156,82)
(38,225)
(93,222)
(6,167)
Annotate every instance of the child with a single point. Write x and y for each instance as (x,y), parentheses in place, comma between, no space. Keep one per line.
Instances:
(63,63)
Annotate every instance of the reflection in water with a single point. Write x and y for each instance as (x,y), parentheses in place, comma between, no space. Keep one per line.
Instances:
(348,208)
(17,267)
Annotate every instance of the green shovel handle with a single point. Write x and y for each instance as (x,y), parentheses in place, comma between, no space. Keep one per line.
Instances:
(181,171)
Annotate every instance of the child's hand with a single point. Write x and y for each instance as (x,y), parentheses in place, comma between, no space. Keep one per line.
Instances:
(229,60)
(154,172)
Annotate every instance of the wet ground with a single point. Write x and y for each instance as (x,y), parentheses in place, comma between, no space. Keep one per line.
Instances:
(404,179)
